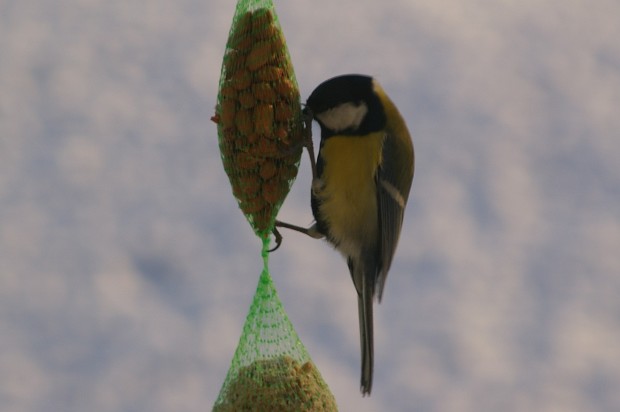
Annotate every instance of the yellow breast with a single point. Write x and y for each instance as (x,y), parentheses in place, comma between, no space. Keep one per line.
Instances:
(348,199)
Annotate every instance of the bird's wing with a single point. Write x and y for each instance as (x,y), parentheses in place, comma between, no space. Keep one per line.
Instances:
(393,184)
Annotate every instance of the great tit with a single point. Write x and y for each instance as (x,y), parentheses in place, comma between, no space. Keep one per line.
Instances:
(363,176)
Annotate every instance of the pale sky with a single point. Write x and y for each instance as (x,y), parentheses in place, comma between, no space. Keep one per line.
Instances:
(127,269)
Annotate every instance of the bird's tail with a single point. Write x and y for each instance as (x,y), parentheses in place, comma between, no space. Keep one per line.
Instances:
(364,303)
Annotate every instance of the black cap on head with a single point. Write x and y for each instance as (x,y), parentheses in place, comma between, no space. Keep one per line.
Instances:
(355,89)
(347,88)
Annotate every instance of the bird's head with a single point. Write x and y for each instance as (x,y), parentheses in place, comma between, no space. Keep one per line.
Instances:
(346,105)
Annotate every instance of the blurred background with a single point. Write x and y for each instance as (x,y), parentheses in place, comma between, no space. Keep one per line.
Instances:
(127,269)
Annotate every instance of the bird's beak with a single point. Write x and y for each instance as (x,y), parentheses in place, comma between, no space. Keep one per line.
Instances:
(308,114)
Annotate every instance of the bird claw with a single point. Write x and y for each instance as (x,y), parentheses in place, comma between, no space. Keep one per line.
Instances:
(278,239)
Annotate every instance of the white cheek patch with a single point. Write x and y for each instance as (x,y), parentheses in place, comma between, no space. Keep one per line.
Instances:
(344,116)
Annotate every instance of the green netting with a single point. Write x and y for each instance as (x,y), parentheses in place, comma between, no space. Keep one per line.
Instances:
(261,138)
(258,113)
(271,369)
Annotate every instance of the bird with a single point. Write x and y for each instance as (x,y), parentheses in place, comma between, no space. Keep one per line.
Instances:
(361,183)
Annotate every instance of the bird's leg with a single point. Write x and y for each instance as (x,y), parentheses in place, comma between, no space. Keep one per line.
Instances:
(308,143)
(311,231)
(307,118)
(316,182)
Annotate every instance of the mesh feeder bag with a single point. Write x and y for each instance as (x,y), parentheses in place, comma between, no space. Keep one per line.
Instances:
(271,369)
(261,138)
(258,114)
